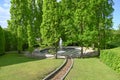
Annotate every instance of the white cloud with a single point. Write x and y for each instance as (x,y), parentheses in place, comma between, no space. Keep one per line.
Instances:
(3,24)
(7,1)
(4,16)
(6,5)
(4,13)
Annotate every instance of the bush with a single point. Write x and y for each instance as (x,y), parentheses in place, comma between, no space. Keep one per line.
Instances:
(10,41)
(111,57)
(2,41)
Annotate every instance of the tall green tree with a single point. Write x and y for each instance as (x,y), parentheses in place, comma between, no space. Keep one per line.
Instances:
(67,9)
(30,37)
(20,40)
(49,27)
(19,17)
(93,21)
(102,23)
(12,24)
(35,17)
(38,17)
(81,22)
(106,21)
(22,12)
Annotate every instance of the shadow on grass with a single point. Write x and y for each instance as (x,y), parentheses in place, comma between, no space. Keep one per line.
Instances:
(15,58)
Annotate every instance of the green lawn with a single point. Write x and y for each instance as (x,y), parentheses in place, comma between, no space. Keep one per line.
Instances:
(18,67)
(91,69)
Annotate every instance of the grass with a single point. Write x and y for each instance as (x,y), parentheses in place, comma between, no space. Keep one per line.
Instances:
(17,67)
(91,69)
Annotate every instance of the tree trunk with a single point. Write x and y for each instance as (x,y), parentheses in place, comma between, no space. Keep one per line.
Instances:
(93,46)
(56,49)
(19,51)
(98,29)
(81,56)
(98,37)
(104,34)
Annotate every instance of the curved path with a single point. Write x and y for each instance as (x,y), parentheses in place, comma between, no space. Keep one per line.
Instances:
(61,74)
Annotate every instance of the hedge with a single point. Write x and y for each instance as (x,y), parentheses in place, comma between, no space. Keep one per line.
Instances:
(111,57)
(2,41)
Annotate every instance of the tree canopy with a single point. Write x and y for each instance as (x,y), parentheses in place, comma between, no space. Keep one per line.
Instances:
(77,22)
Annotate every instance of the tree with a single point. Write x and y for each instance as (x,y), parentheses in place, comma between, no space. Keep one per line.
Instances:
(30,37)
(19,17)
(38,15)
(67,9)
(2,41)
(102,20)
(114,41)
(49,27)
(35,18)
(22,12)
(20,40)
(12,24)
(93,20)
(81,22)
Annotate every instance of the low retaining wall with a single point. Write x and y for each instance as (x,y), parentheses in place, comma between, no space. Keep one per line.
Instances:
(68,70)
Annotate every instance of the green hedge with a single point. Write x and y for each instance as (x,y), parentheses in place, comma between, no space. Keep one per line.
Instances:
(111,57)
(2,41)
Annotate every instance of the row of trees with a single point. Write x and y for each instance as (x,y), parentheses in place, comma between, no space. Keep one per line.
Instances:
(116,38)
(85,22)
(26,18)
(77,22)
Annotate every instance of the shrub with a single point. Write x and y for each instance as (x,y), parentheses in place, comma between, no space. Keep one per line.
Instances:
(111,57)
(2,41)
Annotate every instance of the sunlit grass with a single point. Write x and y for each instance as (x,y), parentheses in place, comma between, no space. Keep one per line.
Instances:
(23,68)
(91,69)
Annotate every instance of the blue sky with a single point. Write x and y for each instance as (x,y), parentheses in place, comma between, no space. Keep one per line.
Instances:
(5,15)
(116,13)
(4,12)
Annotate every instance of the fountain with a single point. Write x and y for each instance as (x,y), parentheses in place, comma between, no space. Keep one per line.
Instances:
(60,47)
(60,44)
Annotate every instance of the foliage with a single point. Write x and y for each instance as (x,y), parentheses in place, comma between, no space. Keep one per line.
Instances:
(77,22)
(21,12)
(2,41)
(30,38)
(111,57)
(115,40)
(67,28)
(19,37)
(7,38)
(86,23)
(49,28)
(10,41)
